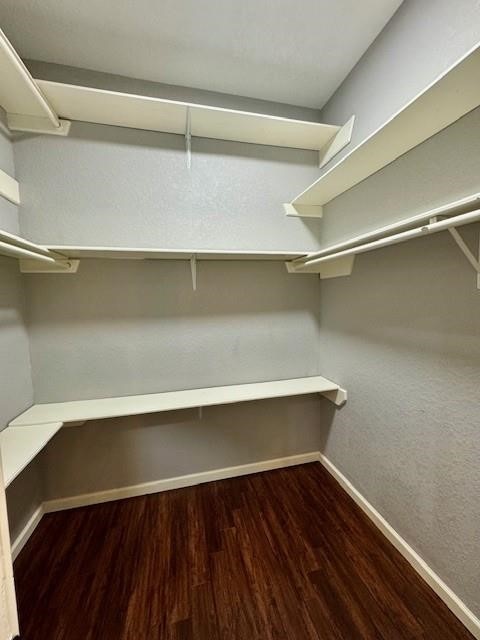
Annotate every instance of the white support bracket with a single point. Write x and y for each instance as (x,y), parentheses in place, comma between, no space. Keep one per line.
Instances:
(188,138)
(340,141)
(303,210)
(59,266)
(9,188)
(193,270)
(332,269)
(337,396)
(200,413)
(467,253)
(32,124)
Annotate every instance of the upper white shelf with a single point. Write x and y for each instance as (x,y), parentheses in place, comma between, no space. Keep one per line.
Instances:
(448,98)
(20,96)
(170,116)
(139,253)
(81,410)
(19,446)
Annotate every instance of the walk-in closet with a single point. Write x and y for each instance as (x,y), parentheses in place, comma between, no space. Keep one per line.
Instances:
(240,320)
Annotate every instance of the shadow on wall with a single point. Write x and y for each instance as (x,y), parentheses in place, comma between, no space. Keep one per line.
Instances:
(121,290)
(113,453)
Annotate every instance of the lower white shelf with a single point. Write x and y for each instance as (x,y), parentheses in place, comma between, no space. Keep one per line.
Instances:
(81,410)
(19,446)
(29,432)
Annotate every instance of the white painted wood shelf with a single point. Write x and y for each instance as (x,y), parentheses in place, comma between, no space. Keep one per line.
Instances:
(445,100)
(82,410)
(119,109)
(145,253)
(20,446)
(25,105)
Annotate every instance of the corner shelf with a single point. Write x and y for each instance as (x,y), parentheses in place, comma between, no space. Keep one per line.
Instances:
(82,410)
(170,116)
(445,100)
(31,431)
(18,447)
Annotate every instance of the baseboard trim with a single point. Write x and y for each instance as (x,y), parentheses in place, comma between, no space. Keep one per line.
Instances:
(453,602)
(24,535)
(178,482)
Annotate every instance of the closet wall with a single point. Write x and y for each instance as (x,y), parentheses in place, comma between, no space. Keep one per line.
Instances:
(403,335)
(16,392)
(420,42)
(127,327)
(403,332)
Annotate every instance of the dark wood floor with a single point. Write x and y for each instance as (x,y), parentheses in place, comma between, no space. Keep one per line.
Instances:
(280,555)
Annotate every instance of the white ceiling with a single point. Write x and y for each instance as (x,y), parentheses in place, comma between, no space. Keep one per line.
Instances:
(291,51)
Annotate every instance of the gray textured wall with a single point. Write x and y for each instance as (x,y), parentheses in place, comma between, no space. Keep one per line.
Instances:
(402,334)
(15,377)
(115,453)
(107,185)
(120,327)
(422,40)
(8,211)
(125,327)
(16,391)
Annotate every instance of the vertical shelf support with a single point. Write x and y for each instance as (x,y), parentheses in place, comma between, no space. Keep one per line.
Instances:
(188,138)
(193,269)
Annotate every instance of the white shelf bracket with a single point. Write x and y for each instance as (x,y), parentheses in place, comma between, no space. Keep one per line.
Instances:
(333,269)
(340,141)
(193,270)
(59,266)
(188,138)
(337,396)
(32,124)
(303,210)
(466,252)
(200,413)
(9,188)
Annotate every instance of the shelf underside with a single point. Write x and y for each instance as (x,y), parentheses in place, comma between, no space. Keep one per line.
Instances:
(19,446)
(143,253)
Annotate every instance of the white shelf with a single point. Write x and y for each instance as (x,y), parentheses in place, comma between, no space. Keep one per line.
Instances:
(448,98)
(81,410)
(170,116)
(19,446)
(139,253)
(20,96)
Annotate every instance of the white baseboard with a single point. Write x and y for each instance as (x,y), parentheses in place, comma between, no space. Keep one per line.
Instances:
(178,482)
(452,601)
(22,538)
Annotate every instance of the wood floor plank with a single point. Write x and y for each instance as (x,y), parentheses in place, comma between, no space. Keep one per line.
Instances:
(282,555)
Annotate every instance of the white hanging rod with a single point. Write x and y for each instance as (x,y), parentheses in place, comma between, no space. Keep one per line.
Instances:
(11,239)
(16,247)
(458,206)
(18,252)
(435,227)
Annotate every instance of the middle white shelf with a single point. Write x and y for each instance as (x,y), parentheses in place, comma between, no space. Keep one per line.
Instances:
(154,253)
